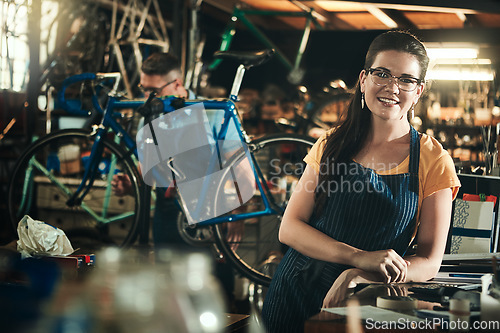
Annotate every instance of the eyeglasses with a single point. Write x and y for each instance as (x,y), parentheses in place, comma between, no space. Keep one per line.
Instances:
(155,90)
(382,78)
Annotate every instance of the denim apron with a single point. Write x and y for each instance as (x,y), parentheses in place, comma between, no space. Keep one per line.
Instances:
(366,210)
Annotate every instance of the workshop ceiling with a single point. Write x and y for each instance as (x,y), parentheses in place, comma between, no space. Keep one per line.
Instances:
(369,15)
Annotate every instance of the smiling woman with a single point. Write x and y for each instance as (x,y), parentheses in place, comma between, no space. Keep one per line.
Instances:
(369,184)
(383,77)
(395,94)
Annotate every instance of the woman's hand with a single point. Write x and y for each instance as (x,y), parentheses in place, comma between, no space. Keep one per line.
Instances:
(375,290)
(386,262)
(397,290)
(350,278)
(338,291)
(347,279)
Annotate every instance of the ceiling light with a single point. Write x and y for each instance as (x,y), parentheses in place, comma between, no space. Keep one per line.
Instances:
(448,61)
(381,16)
(452,53)
(461,16)
(468,74)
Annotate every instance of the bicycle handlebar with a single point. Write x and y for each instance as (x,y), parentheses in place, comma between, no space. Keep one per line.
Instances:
(79,77)
(61,97)
(167,104)
(70,107)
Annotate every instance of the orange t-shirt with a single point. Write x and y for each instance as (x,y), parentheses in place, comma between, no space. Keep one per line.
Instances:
(436,168)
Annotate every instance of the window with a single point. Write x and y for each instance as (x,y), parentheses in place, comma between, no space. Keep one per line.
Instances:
(14,48)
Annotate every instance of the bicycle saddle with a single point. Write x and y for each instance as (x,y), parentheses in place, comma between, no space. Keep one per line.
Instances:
(247,58)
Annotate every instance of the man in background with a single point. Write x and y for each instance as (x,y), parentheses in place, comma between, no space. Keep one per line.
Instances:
(161,73)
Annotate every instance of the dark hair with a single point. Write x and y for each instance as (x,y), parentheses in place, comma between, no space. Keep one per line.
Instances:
(160,64)
(351,133)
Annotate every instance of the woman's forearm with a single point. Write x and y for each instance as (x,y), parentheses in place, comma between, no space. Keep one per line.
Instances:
(315,244)
(296,232)
(435,219)
(422,269)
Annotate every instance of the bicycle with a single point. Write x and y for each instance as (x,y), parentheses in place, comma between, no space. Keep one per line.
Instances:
(296,73)
(317,111)
(47,193)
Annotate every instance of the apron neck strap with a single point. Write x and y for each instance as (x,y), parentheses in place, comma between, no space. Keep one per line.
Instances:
(414,150)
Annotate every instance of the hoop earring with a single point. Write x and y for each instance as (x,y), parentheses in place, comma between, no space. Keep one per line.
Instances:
(362,101)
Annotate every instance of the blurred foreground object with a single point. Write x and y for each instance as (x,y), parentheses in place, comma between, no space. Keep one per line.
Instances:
(39,238)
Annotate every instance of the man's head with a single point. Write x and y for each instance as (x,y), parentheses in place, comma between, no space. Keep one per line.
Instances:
(161,72)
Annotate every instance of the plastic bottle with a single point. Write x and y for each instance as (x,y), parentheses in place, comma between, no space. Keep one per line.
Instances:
(197,291)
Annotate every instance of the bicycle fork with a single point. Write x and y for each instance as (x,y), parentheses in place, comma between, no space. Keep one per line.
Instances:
(91,170)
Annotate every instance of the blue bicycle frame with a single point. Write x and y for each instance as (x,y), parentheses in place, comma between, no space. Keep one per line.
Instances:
(108,122)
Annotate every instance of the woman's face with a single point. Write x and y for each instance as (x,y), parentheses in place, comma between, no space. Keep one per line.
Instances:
(389,102)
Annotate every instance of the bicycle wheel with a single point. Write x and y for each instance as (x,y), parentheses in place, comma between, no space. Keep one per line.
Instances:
(280,159)
(51,169)
(330,110)
(192,234)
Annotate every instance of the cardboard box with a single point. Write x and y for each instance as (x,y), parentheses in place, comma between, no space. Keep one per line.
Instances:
(70,167)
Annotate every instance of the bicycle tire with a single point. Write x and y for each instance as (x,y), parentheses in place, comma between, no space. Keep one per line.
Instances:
(48,199)
(198,236)
(330,110)
(280,159)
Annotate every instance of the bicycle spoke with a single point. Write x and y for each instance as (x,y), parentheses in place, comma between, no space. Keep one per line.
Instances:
(47,176)
(279,159)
